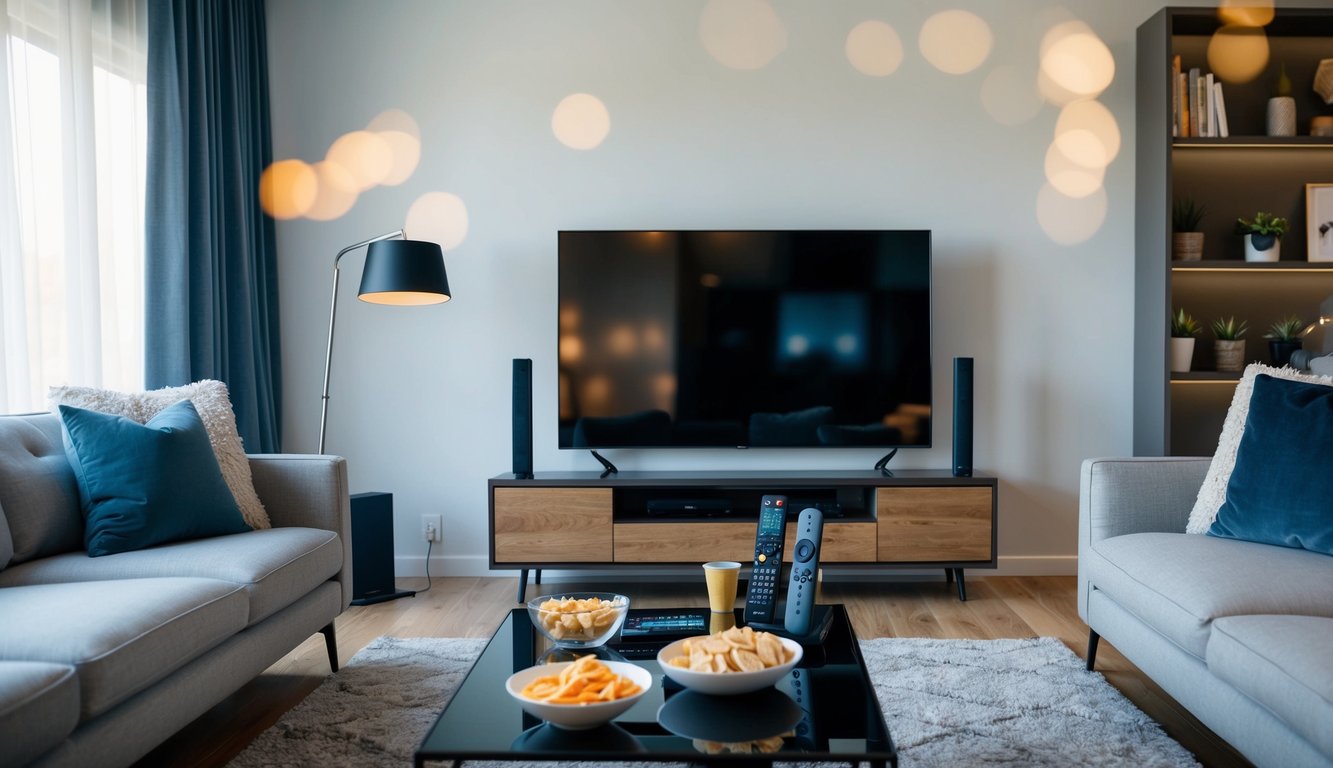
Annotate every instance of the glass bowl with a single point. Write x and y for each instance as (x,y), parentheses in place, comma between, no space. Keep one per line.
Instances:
(578,619)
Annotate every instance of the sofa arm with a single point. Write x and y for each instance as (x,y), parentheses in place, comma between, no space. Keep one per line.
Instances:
(308,491)
(1133,495)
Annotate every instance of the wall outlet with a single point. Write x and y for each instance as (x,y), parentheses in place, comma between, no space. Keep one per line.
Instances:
(430,527)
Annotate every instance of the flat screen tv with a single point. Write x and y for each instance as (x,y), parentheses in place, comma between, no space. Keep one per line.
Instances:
(692,339)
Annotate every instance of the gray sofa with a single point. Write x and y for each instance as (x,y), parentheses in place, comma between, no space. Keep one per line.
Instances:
(1239,633)
(101,659)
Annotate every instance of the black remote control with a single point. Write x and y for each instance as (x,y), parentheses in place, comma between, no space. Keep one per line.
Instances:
(804,572)
(761,598)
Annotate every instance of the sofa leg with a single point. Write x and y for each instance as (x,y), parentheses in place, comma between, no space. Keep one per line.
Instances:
(331,645)
(1093,638)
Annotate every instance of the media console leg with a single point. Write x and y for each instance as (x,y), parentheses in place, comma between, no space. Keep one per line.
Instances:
(522,584)
(537,579)
(962,585)
(948,575)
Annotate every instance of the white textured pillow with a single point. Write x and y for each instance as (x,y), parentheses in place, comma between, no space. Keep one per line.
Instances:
(211,400)
(1214,489)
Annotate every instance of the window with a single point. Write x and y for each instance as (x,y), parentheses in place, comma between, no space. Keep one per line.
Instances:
(73,144)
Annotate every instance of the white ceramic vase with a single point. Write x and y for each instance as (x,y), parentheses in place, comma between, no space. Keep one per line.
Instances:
(1182,354)
(1282,116)
(1254,254)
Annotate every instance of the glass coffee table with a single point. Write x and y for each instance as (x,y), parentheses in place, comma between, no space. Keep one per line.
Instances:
(824,711)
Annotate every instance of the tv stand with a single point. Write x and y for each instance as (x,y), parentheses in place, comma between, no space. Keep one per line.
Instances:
(909,519)
(610,469)
(883,464)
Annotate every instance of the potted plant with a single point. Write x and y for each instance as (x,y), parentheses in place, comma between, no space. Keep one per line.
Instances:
(1229,347)
(1263,236)
(1186,239)
(1284,337)
(1184,329)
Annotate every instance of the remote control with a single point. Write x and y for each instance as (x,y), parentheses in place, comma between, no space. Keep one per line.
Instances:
(804,568)
(761,598)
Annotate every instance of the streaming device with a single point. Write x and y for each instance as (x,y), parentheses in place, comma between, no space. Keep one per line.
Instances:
(761,596)
(802,584)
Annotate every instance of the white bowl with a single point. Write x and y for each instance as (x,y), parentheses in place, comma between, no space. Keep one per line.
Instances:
(725,683)
(577,717)
(579,629)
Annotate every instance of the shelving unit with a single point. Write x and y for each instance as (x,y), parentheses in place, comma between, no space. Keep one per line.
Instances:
(1181,414)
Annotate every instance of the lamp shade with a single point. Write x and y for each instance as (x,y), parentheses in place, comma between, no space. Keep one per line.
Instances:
(404,272)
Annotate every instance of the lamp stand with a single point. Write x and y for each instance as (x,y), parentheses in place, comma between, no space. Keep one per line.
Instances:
(333,314)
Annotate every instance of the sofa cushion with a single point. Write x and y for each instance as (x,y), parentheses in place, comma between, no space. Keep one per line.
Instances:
(1282,662)
(212,401)
(1179,583)
(39,706)
(37,488)
(146,484)
(1214,489)
(6,541)
(1275,495)
(121,636)
(276,566)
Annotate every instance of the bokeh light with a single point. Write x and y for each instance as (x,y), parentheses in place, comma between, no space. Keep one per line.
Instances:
(1009,97)
(287,189)
(742,34)
(1070,220)
(1087,133)
(1074,58)
(956,42)
(1246,13)
(581,121)
(1238,54)
(336,194)
(874,48)
(1068,177)
(395,120)
(404,155)
(365,155)
(439,217)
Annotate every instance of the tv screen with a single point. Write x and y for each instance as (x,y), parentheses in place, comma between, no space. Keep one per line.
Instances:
(744,339)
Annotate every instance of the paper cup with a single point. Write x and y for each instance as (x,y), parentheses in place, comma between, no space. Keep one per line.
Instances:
(722,576)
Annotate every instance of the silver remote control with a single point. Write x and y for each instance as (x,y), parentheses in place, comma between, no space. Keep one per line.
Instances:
(804,569)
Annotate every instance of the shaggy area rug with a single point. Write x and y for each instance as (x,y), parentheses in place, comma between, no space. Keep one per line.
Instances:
(947,702)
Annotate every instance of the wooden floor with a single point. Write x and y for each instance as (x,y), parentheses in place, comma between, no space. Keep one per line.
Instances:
(465,607)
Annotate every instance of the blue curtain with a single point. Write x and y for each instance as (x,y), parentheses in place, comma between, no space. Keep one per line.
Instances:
(211,260)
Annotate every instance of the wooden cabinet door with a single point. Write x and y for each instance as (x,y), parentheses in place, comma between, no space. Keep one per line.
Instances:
(552,525)
(934,524)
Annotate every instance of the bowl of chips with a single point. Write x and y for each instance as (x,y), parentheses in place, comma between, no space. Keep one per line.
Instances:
(579,619)
(577,695)
(737,660)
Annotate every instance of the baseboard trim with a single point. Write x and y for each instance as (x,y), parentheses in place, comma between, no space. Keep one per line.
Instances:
(476,566)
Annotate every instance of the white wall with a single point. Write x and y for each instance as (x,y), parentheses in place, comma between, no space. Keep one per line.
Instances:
(420,402)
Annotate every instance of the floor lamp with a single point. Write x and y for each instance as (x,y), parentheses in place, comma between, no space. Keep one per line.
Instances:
(405,273)
(399,272)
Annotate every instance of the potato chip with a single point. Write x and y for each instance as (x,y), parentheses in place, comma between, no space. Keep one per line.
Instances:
(586,681)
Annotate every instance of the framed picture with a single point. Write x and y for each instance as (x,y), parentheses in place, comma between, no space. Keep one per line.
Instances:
(1319,221)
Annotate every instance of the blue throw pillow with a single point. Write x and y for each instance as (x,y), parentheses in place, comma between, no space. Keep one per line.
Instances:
(147,484)
(1281,491)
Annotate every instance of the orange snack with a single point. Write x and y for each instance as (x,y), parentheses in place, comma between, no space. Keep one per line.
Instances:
(586,681)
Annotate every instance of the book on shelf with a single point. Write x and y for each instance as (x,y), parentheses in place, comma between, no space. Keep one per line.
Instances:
(1197,106)
(1220,110)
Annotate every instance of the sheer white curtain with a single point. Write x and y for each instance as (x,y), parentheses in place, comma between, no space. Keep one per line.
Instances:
(72,157)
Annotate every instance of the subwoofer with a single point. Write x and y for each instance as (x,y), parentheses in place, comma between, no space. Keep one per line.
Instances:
(372,550)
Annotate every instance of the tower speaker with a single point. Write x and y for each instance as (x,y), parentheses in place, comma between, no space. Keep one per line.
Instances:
(522,417)
(372,549)
(962,417)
